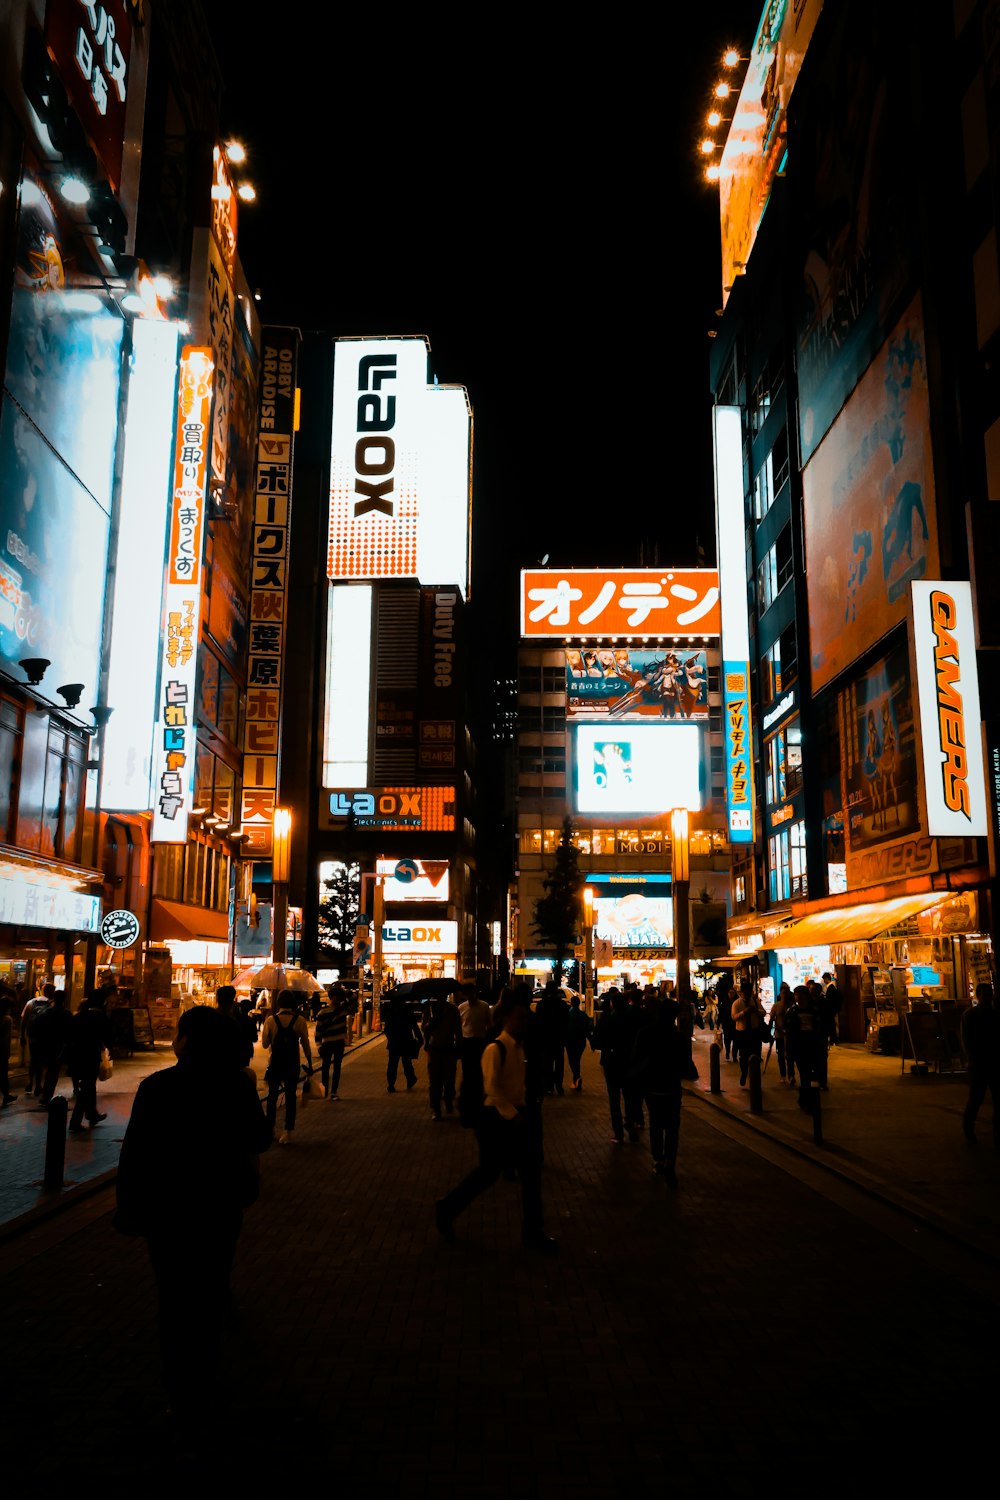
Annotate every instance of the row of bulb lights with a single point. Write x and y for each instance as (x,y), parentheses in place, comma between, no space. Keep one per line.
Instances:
(722,91)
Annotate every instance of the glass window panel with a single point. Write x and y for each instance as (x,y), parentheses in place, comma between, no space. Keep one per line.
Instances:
(225,784)
(76,771)
(229,703)
(204,768)
(208,699)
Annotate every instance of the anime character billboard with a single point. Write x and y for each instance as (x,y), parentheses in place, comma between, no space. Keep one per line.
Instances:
(621,684)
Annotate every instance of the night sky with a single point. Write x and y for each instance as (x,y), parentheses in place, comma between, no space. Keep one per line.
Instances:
(533,202)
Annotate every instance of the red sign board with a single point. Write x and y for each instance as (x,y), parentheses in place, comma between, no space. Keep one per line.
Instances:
(623,604)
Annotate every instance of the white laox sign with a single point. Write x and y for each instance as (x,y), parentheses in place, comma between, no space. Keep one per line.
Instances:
(421,937)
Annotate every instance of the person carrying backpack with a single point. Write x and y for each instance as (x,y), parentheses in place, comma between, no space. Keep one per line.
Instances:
(284,1034)
(331,1038)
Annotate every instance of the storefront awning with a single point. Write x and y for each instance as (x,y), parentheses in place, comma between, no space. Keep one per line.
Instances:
(172,919)
(852,924)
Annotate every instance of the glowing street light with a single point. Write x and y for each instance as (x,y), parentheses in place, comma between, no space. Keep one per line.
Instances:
(722,91)
(281,850)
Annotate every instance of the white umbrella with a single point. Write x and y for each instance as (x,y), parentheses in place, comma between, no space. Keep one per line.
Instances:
(302,981)
(269,977)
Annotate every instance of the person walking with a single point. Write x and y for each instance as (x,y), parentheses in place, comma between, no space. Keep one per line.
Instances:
(780,1013)
(331,1039)
(285,1034)
(658,1061)
(403,1041)
(442,1034)
(503,1133)
(51,1032)
(474,1014)
(808,1041)
(188,1169)
(750,1023)
(86,1040)
(33,1010)
(579,1031)
(981,1040)
(6,1037)
(727,994)
(613,1036)
(552,1013)
(246,1032)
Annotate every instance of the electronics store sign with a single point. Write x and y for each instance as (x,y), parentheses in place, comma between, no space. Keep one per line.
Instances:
(428,809)
(420,937)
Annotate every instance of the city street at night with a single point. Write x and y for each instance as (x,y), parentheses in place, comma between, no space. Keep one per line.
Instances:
(741,1335)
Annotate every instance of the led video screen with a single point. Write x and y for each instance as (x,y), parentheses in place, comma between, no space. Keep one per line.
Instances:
(637,768)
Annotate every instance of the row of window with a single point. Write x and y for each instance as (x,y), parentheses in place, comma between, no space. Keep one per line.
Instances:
(765,392)
(774,570)
(787,863)
(192,872)
(770,476)
(619,841)
(42,784)
(532,679)
(783,763)
(779,666)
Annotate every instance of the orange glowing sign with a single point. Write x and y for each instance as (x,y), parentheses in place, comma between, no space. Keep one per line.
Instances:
(187,516)
(635,603)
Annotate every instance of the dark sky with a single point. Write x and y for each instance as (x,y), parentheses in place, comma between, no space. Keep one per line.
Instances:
(532,200)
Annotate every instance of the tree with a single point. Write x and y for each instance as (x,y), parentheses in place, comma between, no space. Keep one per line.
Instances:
(339,907)
(558,913)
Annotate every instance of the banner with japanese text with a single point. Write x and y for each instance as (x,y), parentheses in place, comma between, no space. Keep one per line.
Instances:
(626,604)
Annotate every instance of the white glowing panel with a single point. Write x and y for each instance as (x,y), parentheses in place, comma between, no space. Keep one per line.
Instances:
(424,937)
(635,921)
(413,879)
(637,768)
(944,643)
(348,686)
(135,635)
(400,464)
(728,435)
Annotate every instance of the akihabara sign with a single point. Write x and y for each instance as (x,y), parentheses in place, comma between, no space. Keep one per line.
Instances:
(944,643)
(268,588)
(174,740)
(587,603)
(399,467)
(426,809)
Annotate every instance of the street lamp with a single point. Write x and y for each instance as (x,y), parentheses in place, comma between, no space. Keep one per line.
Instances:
(280,864)
(588,949)
(680,869)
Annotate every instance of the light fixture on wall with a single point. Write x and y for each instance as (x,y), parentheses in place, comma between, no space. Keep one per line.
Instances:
(70,693)
(35,668)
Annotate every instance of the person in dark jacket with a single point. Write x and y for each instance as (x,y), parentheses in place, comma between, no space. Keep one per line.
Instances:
(6,1033)
(442,1042)
(246,1032)
(658,1058)
(807,1034)
(331,1038)
(86,1039)
(188,1169)
(726,996)
(402,1041)
(981,1040)
(552,1013)
(51,1041)
(613,1037)
(579,1031)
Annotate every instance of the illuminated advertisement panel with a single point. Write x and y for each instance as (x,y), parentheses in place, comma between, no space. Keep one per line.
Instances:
(413,879)
(755,146)
(637,768)
(868,497)
(729,502)
(878,757)
(615,683)
(635,921)
(624,603)
(400,466)
(427,809)
(138,578)
(174,740)
(420,937)
(944,643)
(268,587)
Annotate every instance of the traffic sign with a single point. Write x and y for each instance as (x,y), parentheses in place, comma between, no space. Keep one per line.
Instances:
(406,871)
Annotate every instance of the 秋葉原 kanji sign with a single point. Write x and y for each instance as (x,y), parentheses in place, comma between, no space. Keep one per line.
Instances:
(589,603)
(174,740)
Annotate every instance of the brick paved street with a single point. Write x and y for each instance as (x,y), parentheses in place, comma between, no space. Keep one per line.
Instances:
(758,1332)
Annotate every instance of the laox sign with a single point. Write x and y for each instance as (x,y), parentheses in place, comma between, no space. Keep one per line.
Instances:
(365,804)
(374,417)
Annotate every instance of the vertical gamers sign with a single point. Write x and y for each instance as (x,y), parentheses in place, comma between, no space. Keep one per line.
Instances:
(174,742)
(735,623)
(269,588)
(944,642)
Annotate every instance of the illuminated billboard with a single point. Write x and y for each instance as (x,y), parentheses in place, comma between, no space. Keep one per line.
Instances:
(729,510)
(629,604)
(400,467)
(755,147)
(413,879)
(420,937)
(635,921)
(615,683)
(868,498)
(944,643)
(637,768)
(174,740)
(426,809)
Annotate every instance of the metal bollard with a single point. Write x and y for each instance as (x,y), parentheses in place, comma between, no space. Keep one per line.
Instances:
(817,1113)
(714,1069)
(55,1144)
(756,1092)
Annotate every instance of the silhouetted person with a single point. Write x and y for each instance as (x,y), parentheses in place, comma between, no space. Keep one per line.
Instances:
(808,1041)
(331,1038)
(981,1039)
(442,1039)
(474,1013)
(86,1039)
(188,1169)
(552,1014)
(579,1030)
(401,1037)
(6,1035)
(658,1060)
(284,1034)
(613,1037)
(750,1023)
(503,1132)
(246,1032)
(31,1014)
(51,1040)
(727,994)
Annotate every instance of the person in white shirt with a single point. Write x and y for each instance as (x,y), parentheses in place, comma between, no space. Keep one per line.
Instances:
(474,1013)
(502,1132)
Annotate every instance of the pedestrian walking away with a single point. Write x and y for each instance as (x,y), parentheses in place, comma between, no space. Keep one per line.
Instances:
(50,1039)
(86,1041)
(613,1038)
(552,1014)
(474,1013)
(187,1171)
(403,1041)
(981,1040)
(503,1132)
(285,1035)
(579,1031)
(751,1027)
(808,1040)
(442,1034)
(659,1057)
(32,1012)
(245,1030)
(331,1038)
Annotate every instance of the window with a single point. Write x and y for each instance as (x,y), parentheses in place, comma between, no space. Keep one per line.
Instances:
(553,679)
(783,763)
(10,757)
(214,786)
(779,666)
(65,768)
(770,476)
(787,863)
(529,679)
(766,388)
(533,720)
(774,570)
(219,699)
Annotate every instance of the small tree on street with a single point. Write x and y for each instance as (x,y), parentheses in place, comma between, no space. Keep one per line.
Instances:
(339,906)
(558,913)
